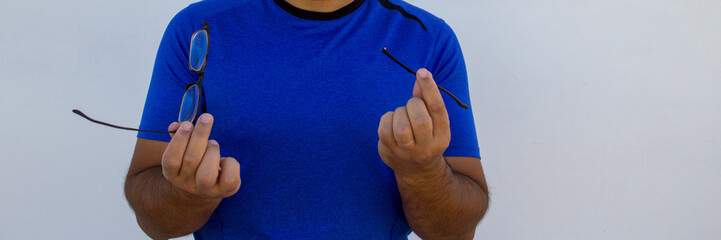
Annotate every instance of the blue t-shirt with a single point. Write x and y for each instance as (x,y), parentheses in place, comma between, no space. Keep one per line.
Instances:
(297,97)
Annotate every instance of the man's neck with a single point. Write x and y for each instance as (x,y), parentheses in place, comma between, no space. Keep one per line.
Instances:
(319,5)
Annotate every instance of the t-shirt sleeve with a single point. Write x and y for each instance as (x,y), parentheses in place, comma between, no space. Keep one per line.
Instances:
(449,71)
(170,76)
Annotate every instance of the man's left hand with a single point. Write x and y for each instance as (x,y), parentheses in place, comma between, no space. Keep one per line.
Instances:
(412,139)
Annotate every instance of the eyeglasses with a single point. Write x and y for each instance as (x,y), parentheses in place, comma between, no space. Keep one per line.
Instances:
(193,99)
(193,102)
(458,101)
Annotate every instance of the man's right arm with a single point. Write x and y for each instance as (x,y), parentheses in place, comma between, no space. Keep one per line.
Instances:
(175,187)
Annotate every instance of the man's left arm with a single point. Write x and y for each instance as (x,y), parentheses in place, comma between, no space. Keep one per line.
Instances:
(443,197)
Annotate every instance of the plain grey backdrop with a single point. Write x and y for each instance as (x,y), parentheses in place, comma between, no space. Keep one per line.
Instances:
(596,119)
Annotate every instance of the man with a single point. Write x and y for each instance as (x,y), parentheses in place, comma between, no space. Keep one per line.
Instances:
(300,95)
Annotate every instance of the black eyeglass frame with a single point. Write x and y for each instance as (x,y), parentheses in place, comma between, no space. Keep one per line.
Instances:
(201,74)
(199,84)
(458,101)
(201,95)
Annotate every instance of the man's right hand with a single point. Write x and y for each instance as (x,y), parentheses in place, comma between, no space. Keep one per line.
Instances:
(192,162)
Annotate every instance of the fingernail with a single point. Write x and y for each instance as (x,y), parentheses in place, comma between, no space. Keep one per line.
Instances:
(186,126)
(213,142)
(205,118)
(423,73)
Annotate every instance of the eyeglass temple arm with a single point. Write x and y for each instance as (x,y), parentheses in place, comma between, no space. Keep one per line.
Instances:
(458,101)
(78,112)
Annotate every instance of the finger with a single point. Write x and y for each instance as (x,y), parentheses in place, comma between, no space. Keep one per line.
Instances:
(402,131)
(196,146)
(385,130)
(173,156)
(421,122)
(207,175)
(229,179)
(434,102)
(172,128)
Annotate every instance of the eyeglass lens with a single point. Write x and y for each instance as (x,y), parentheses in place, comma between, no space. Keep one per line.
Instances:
(198,50)
(190,105)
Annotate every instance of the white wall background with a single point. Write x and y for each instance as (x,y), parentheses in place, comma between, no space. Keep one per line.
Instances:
(596,119)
